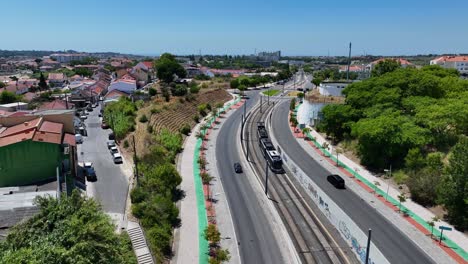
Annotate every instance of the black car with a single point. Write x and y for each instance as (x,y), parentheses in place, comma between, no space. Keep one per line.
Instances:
(111,136)
(336,180)
(237,167)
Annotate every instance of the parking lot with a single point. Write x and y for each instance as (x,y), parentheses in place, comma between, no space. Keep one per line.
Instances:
(111,185)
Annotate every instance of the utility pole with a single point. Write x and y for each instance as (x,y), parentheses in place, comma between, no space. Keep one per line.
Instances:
(368,246)
(388,185)
(261,103)
(242,127)
(266,179)
(247,139)
(245,109)
(135,160)
(349,62)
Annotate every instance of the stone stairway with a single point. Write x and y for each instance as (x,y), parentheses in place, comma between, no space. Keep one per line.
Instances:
(139,243)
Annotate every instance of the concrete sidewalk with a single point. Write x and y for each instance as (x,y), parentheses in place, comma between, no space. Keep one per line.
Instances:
(186,238)
(457,241)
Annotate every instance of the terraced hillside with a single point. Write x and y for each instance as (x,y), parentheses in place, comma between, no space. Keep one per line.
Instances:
(172,115)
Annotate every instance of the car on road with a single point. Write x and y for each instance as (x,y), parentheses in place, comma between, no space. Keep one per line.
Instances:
(237,167)
(89,171)
(78,138)
(110,144)
(114,150)
(104,125)
(336,181)
(117,158)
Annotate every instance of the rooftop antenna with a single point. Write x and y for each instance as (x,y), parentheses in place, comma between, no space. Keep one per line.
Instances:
(349,62)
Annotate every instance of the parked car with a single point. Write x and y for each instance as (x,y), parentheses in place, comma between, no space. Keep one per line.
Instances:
(110,144)
(83,116)
(111,136)
(89,171)
(237,167)
(78,138)
(336,181)
(104,125)
(117,158)
(89,108)
(114,150)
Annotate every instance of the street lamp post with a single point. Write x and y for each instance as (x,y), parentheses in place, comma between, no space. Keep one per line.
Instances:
(266,178)
(388,185)
(368,246)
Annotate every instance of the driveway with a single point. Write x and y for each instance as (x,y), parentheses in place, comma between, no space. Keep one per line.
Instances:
(111,186)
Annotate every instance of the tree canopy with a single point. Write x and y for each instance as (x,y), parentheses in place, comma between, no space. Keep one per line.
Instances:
(411,119)
(72,230)
(167,67)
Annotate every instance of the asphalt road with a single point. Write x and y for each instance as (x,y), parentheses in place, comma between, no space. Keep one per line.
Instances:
(395,246)
(257,242)
(111,186)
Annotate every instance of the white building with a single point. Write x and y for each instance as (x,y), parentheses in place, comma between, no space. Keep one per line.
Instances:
(67,57)
(459,63)
(332,88)
(126,86)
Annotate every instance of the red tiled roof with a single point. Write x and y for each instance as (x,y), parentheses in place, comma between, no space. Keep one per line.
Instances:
(5,141)
(148,64)
(51,127)
(400,60)
(453,58)
(69,139)
(48,137)
(26,126)
(115,94)
(20,113)
(56,105)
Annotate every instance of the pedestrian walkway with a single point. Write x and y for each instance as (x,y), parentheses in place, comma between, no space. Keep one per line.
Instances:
(455,243)
(139,243)
(187,236)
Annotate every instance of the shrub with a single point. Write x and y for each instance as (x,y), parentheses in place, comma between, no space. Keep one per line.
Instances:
(292,105)
(143,119)
(204,85)
(179,90)
(181,100)
(208,106)
(185,129)
(196,118)
(155,111)
(152,92)
(206,178)
(194,89)
(125,144)
(149,128)
(212,234)
(202,109)
(189,97)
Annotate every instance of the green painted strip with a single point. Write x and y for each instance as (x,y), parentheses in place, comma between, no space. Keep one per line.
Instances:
(200,196)
(201,209)
(395,202)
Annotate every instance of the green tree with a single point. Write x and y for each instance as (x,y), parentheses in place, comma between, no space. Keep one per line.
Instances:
(317,81)
(212,234)
(66,231)
(42,83)
(453,190)
(414,160)
(385,66)
(7,97)
(234,84)
(167,68)
(337,120)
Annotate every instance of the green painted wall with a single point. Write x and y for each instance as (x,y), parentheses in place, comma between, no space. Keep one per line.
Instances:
(28,162)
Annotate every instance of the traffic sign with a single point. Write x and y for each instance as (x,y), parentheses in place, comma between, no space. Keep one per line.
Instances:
(445,228)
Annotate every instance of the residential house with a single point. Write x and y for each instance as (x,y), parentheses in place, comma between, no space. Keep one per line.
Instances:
(57,104)
(403,62)
(459,63)
(352,68)
(34,148)
(332,88)
(114,96)
(123,85)
(57,79)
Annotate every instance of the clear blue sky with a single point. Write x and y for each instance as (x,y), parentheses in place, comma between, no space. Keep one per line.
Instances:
(296,27)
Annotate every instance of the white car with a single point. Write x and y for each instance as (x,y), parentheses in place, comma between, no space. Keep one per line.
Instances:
(78,138)
(117,158)
(110,144)
(114,150)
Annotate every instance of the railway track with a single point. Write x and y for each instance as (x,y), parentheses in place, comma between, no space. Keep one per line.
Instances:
(311,240)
